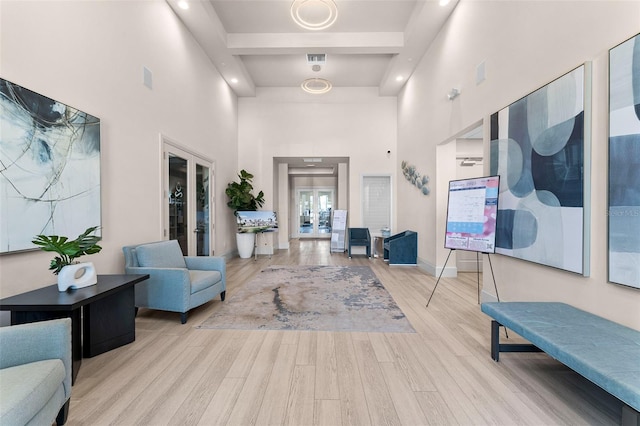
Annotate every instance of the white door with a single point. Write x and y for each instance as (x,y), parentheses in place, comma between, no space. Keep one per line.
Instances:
(188,200)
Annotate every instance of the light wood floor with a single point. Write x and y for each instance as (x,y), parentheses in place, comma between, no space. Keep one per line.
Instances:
(442,374)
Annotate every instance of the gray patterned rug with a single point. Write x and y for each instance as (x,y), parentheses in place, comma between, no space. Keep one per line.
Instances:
(329,298)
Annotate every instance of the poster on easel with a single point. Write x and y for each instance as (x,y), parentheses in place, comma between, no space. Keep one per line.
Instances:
(338,231)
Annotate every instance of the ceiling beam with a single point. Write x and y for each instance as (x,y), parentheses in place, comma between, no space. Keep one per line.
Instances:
(291,43)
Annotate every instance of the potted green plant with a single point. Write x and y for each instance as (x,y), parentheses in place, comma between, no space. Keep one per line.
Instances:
(241,198)
(64,265)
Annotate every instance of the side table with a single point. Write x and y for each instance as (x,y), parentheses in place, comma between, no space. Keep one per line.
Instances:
(102,315)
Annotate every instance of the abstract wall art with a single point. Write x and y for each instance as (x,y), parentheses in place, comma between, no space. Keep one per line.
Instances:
(415,178)
(49,168)
(538,149)
(624,163)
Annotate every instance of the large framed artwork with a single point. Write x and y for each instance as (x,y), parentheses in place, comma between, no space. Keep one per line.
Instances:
(539,149)
(624,163)
(49,168)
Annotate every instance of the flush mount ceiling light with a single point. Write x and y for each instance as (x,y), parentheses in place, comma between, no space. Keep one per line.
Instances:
(314,14)
(182,4)
(316,86)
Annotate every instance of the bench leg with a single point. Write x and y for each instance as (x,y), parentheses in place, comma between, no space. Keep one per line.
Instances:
(495,340)
(630,417)
(497,347)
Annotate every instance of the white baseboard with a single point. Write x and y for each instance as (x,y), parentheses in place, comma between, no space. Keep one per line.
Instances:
(469,265)
(449,271)
(487,297)
(267,250)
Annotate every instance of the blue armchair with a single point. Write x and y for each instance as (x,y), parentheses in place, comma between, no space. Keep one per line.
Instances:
(35,373)
(402,248)
(176,283)
(360,237)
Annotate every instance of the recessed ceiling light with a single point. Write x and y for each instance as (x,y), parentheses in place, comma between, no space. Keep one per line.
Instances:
(314,14)
(182,4)
(444,2)
(234,80)
(399,78)
(316,86)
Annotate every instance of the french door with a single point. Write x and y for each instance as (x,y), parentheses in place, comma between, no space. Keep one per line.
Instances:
(188,200)
(314,212)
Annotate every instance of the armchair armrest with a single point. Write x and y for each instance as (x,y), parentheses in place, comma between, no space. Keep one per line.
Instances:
(37,341)
(171,286)
(208,263)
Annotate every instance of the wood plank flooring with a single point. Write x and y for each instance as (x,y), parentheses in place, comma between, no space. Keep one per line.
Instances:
(175,374)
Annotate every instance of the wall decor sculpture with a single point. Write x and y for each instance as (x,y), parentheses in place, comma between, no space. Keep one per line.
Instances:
(538,149)
(49,168)
(624,163)
(414,178)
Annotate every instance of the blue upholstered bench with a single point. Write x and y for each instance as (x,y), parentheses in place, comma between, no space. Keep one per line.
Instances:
(606,353)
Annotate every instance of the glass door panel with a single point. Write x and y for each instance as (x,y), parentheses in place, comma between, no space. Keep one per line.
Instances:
(187,215)
(178,217)
(306,212)
(325,200)
(202,211)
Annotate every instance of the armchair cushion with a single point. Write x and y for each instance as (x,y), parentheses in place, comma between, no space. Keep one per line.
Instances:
(164,254)
(29,387)
(35,372)
(203,279)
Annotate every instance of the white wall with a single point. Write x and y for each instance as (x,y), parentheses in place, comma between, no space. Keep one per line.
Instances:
(91,55)
(524,44)
(346,122)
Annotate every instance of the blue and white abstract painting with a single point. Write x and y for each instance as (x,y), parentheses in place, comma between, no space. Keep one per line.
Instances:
(538,148)
(49,168)
(624,163)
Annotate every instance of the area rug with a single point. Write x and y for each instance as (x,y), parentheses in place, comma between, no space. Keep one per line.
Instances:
(328,298)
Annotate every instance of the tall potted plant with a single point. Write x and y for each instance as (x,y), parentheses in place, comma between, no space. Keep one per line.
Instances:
(241,198)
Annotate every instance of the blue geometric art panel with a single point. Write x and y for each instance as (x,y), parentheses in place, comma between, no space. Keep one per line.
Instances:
(624,163)
(538,149)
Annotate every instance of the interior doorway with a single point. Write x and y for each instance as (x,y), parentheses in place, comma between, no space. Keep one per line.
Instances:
(314,206)
(188,203)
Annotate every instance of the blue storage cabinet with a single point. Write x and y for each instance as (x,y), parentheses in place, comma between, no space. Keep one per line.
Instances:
(402,248)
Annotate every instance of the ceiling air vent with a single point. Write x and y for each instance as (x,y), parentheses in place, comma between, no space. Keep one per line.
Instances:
(316,58)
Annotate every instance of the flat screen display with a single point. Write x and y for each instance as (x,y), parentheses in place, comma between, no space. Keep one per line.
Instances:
(472,209)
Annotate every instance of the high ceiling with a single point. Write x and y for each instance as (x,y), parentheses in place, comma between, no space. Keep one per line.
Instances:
(256,43)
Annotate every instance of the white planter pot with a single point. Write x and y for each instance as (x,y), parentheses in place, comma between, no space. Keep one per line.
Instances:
(245,242)
(77,276)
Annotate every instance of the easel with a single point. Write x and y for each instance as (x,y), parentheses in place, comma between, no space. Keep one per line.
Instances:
(478,271)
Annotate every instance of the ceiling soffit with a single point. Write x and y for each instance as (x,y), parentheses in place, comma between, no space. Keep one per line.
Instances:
(257,43)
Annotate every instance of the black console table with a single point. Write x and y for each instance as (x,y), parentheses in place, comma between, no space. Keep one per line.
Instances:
(102,315)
